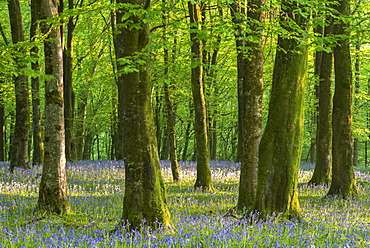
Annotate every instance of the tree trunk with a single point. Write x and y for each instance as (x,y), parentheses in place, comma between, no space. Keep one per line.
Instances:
(161,139)
(88,144)
(204,178)
(69,98)
(356,101)
(322,171)
(2,126)
(165,150)
(187,134)
(343,177)
(38,145)
(3,156)
(19,155)
(281,143)
(210,78)
(80,125)
(252,115)
(53,186)
(213,115)
(171,115)
(367,124)
(171,122)
(237,13)
(144,187)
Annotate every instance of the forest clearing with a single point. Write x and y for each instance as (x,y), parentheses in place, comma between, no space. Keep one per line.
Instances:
(200,218)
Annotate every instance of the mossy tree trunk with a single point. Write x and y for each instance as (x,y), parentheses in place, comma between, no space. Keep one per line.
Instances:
(343,177)
(281,143)
(322,172)
(53,186)
(252,91)
(19,145)
(38,145)
(204,177)
(144,197)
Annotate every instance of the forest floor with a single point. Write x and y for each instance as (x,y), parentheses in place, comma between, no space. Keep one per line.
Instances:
(200,218)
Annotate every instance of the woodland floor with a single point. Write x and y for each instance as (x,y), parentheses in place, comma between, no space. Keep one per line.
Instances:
(96,195)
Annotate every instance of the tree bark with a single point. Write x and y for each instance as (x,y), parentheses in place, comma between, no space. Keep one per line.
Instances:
(204,177)
(238,11)
(53,186)
(252,110)
(343,177)
(187,135)
(88,145)
(212,118)
(281,143)
(171,115)
(38,145)
(2,126)
(19,146)
(356,102)
(80,124)
(367,124)
(144,187)
(69,97)
(3,156)
(322,171)
(171,122)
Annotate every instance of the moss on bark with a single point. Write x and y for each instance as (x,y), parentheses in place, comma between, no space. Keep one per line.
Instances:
(281,143)
(145,198)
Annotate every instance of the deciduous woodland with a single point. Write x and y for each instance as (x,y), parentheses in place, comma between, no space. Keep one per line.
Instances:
(157,93)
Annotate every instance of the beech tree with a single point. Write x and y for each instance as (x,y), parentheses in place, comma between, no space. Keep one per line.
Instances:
(144,187)
(204,177)
(38,146)
(53,185)
(322,171)
(281,143)
(19,147)
(343,177)
(2,109)
(170,106)
(251,98)
(69,96)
